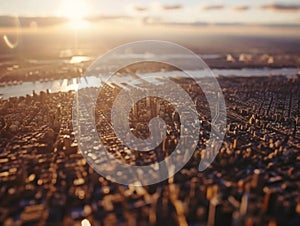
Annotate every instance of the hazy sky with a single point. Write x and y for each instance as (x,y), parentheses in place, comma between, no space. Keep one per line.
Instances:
(180,11)
(210,24)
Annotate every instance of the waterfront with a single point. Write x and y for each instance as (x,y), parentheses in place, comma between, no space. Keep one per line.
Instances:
(63,85)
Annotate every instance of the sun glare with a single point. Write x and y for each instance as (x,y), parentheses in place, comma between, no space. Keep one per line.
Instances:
(75,11)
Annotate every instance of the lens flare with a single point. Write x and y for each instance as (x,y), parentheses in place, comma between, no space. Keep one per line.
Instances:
(12,38)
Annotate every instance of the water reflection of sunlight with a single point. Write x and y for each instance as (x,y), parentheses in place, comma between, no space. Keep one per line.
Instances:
(85,222)
(79,59)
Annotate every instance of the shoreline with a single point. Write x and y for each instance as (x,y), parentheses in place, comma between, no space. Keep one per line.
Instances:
(72,84)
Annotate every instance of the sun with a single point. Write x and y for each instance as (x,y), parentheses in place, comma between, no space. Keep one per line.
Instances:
(75,11)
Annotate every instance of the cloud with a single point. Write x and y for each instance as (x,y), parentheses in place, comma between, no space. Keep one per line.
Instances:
(213,7)
(8,21)
(152,21)
(172,7)
(241,8)
(96,19)
(159,21)
(155,7)
(140,8)
(281,7)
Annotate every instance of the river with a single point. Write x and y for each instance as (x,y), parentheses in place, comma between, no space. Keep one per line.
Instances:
(72,84)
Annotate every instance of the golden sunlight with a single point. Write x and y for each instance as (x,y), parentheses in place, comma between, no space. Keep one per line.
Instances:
(75,11)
